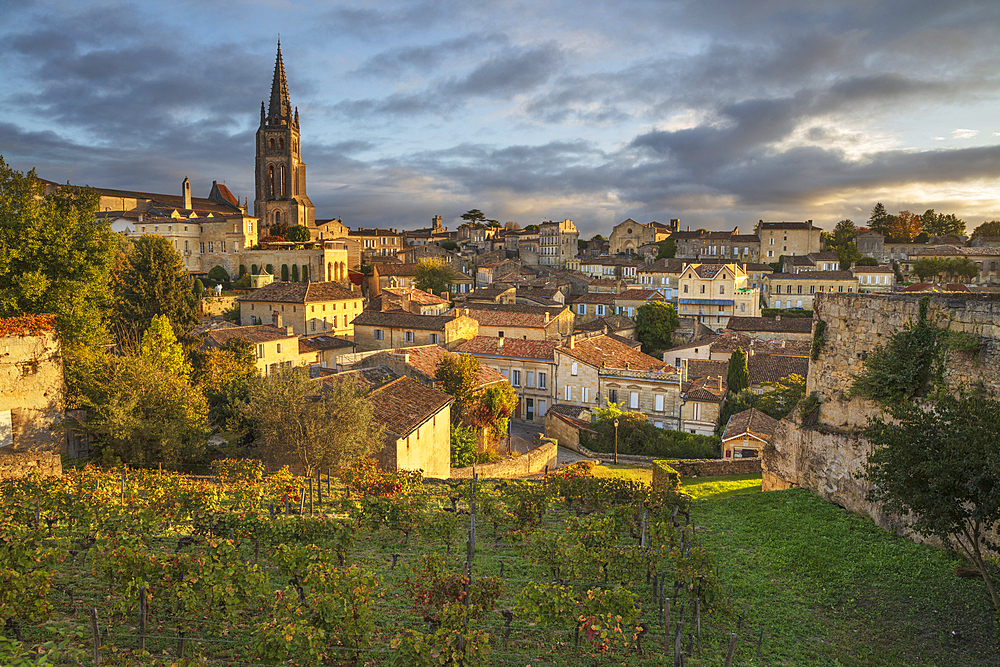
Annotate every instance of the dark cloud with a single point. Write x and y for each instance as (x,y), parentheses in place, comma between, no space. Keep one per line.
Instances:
(395,62)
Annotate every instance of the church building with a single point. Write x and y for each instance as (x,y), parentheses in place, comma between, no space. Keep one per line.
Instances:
(280,173)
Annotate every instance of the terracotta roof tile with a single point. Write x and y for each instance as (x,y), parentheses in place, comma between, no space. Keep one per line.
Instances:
(512,347)
(424,360)
(703,368)
(606,352)
(709,389)
(404,404)
(772,367)
(254,334)
(751,421)
(300,293)
(510,315)
(323,342)
(771,324)
(607,298)
(402,319)
(636,294)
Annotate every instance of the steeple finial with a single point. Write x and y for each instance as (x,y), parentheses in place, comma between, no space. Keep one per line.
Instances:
(279,110)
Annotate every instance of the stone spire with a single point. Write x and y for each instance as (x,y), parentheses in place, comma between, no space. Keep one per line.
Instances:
(279,110)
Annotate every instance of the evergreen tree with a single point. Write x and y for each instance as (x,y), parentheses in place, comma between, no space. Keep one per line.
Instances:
(150,280)
(738,376)
(879,220)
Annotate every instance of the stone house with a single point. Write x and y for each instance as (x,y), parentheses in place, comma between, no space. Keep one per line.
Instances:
(529,366)
(786,290)
(520,321)
(588,307)
(377,243)
(375,330)
(419,362)
(747,433)
(788,238)
(875,278)
(773,328)
(663,275)
(722,246)
(986,258)
(32,388)
(395,274)
(700,348)
(308,308)
(275,347)
(701,405)
(715,292)
(598,370)
(620,268)
(629,301)
(417,420)
(323,350)
(413,300)
(871,244)
(814,261)
(557,243)
(628,236)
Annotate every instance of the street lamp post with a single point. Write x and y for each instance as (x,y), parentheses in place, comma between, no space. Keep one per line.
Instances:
(616,441)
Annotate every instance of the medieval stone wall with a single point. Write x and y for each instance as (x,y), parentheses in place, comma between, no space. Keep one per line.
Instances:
(826,456)
(24,464)
(31,393)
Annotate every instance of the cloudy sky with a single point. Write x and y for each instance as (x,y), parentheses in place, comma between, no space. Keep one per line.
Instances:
(717,112)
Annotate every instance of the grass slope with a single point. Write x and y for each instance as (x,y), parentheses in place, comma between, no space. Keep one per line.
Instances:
(831,588)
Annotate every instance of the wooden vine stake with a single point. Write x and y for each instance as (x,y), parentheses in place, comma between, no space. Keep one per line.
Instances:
(142,618)
(732,649)
(97,636)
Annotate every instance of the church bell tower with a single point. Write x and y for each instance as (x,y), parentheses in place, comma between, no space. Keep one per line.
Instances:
(280,191)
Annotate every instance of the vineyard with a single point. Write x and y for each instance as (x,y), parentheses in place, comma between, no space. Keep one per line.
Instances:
(135,567)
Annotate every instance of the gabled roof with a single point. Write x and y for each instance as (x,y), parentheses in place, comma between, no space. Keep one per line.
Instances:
(814,275)
(773,367)
(417,296)
(752,422)
(787,225)
(323,342)
(607,352)
(393,269)
(704,341)
(607,298)
(710,271)
(369,378)
(404,404)
(300,293)
(612,322)
(636,294)
(254,334)
(703,368)
(510,315)
(672,265)
(423,360)
(707,389)
(511,347)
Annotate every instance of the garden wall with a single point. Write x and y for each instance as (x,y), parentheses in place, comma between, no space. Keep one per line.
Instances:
(535,462)
(31,389)
(686,467)
(24,464)
(217,305)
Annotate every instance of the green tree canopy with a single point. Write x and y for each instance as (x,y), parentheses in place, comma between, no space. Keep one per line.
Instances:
(667,249)
(159,346)
(655,324)
(991,228)
(738,375)
(298,234)
(217,274)
(939,467)
(782,396)
(140,411)
(225,375)
(493,409)
(841,241)
(313,424)
(434,275)
(867,261)
(879,220)
(55,256)
(941,224)
(448,244)
(150,279)
(458,375)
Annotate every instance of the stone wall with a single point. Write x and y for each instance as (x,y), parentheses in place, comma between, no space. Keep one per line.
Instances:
(534,462)
(31,393)
(217,305)
(858,323)
(714,467)
(825,457)
(24,464)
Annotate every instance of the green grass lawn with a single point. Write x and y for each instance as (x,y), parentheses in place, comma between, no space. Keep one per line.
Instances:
(622,471)
(831,588)
(719,487)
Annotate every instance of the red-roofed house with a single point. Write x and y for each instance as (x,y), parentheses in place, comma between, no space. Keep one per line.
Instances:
(519,321)
(596,370)
(529,365)
(417,421)
(702,405)
(713,293)
(747,433)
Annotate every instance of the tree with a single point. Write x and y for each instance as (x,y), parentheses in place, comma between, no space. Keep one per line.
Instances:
(511,226)
(940,224)
(474,216)
(225,374)
(735,402)
(903,227)
(841,241)
(284,273)
(926,267)
(464,443)
(295,273)
(448,244)
(298,234)
(879,220)
(458,376)
(991,228)
(939,467)
(313,424)
(150,279)
(532,228)
(655,324)
(159,346)
(667,249)
(434,275)
(493,410)
(867,261)
(56,257)
(738,375)
(217,274)
(783,396)
(141,411)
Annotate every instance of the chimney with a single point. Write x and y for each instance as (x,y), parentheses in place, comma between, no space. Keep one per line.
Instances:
(186,193)
(720,382)
(572,341)
(465,311)
(290,331)
(500,343)
(547,317)
(276,320)
(777,318)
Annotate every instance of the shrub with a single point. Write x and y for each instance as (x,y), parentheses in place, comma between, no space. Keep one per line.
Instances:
(665,478)
(218,274)
(463,446)
(636,436)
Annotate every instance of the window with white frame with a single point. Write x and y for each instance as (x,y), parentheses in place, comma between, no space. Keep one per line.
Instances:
(378,334)
(573,369)
(658,403)
(408,336)
(529,379)
(633,400)
(515,378)
(568,393)
(435,339)
(541,380)
(585,394)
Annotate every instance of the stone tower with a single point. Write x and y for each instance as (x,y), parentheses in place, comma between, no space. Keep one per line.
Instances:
(280,172)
